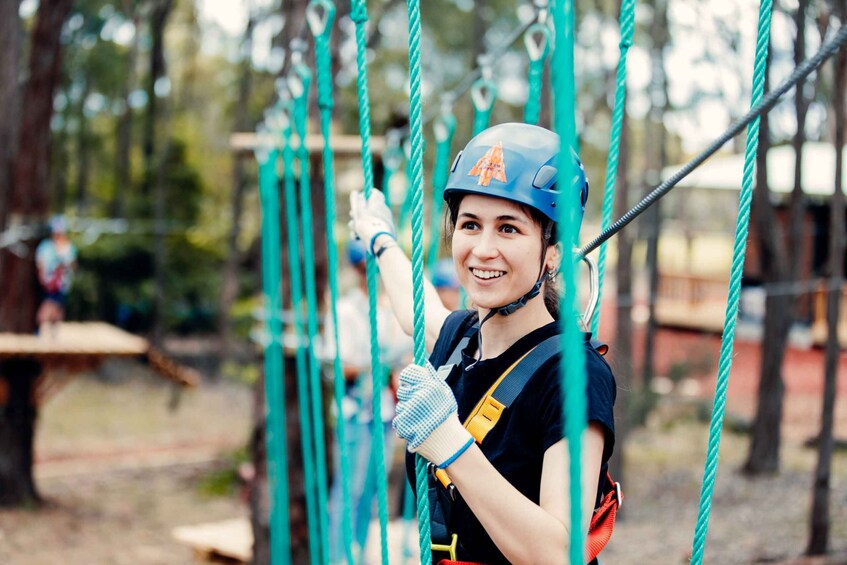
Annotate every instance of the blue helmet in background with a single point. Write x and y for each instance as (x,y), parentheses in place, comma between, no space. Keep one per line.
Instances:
(356,252)
(519,162)
(444,275)
(58,224)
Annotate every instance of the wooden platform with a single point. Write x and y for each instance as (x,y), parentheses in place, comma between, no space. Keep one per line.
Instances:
(71,347)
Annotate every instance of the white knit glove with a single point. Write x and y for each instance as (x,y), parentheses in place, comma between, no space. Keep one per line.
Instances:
(370,218)
(426,416)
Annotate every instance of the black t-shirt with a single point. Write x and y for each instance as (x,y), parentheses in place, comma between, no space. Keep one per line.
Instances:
(524,432)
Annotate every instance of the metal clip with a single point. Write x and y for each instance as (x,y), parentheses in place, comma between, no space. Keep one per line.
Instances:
(318,14)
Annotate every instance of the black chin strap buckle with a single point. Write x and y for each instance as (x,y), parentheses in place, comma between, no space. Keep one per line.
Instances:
(520,302)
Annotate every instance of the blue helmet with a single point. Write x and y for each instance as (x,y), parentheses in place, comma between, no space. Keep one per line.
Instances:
(58,224)
(444,275)
(518,162)
(356,252)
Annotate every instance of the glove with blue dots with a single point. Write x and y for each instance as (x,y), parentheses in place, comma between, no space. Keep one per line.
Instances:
(426,416)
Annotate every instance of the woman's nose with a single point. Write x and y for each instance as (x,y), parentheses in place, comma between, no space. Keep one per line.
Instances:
(485,246)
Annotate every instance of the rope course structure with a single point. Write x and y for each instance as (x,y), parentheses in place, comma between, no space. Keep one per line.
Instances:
(542,40)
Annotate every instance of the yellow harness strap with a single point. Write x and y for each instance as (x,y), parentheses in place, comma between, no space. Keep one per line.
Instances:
(483,417)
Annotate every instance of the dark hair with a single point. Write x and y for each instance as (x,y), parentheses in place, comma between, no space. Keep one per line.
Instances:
(551,294)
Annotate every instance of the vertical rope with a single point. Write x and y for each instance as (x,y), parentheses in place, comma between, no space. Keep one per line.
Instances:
(359,15)
(419,349)
(321,27)
(573,371)
(627,27)
(483,96)
(738,254)
(301,109)
(445,128)
(274,377)
(294,265)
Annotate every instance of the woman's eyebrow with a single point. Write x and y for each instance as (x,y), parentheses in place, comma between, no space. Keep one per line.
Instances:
(508,218)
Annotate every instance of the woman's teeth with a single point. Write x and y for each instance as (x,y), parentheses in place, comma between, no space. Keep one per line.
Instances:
(487,274)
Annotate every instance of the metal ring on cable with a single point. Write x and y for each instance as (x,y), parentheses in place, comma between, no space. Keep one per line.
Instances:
(483,94)
(318,14)
(537,41)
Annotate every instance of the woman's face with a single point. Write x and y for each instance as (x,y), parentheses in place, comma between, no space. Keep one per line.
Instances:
(496,250)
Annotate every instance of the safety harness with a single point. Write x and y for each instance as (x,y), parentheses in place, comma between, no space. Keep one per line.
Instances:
(482,419)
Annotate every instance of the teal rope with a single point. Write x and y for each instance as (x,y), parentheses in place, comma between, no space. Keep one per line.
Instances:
(323,61)
(537,59)
(627,25)
(403,215)
(445,128)
(738,253)
(301,109)
(419,349)
(294,266)
(573,371)
(359,15)
(274,376)
(391,158)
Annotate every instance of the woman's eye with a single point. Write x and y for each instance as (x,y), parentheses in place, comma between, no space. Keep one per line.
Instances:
(469,225)
(507,228)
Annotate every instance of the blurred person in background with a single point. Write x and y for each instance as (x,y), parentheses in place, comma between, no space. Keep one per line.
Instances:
(446,283)
(55,258)
(354,339)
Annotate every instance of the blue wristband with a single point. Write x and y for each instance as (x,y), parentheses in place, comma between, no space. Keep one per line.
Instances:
(376,235)
(457,454)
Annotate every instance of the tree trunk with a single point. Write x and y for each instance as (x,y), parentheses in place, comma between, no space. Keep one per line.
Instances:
(17,431)
(239,183)
(158,20)
(656,157)
(82,153)
(123,132)
(820,519)
(27,200)
(621,351)
(10,53)
(763,457)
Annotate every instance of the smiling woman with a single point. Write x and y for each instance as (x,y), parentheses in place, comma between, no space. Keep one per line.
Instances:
(501,494)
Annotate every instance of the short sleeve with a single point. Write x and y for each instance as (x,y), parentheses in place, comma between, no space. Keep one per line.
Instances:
(601,391)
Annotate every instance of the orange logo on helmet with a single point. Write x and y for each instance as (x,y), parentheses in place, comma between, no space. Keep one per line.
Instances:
(490,166)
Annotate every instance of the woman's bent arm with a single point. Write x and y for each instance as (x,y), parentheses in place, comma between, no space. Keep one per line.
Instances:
(526,532)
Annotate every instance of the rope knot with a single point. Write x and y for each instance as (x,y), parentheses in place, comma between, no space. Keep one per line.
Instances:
(359,12)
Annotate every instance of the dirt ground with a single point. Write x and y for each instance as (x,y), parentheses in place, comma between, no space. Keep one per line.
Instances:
(120,469)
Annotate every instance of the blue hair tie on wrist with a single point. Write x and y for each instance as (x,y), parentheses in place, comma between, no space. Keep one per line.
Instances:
(373,240)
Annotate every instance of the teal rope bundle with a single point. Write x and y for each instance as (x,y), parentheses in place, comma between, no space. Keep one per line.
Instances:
(573,371)
(419,349)
(301,109)
(294,266)
(274,376)
(321,15)
(537,41)
(359,15)
(738,254)
(445,128)
(627,27)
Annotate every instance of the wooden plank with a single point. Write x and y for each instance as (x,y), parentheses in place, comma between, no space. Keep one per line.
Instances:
(232,539)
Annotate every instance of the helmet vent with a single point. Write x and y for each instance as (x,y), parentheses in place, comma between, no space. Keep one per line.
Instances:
(456,162)
(544,177)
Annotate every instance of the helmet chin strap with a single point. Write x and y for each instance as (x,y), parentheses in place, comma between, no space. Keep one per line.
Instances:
(516,305)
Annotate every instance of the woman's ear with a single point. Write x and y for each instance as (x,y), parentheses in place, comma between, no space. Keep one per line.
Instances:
(554,258)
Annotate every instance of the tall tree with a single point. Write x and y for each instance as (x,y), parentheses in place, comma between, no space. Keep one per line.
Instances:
(820,519)
(27,205)
(123,165)
(779,265)
(239,184)
(10,52)
(656,158)
(160,10)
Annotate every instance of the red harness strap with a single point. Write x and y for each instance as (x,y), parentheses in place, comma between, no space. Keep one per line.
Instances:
(603,519)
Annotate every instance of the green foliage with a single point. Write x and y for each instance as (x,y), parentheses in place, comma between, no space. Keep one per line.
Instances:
(223,481)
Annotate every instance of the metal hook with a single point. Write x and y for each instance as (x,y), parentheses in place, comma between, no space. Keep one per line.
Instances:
(593,290)
(485,62)
(298,48)
(319,13)
(537,41)
(483,94)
